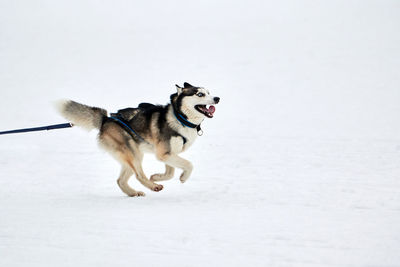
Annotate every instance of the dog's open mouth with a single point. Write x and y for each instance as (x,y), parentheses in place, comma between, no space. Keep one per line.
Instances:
(209,112)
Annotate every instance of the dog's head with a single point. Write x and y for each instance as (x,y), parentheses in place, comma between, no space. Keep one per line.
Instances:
(195,102)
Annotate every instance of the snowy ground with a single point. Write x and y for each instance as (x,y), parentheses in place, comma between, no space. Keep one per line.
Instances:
(299,167)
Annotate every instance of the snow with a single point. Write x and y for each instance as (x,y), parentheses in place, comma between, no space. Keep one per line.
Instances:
(300,165)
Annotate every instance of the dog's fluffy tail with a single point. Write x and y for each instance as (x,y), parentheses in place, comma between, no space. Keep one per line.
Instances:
(81,115)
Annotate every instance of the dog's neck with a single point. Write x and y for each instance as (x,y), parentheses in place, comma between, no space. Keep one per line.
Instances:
(186,117)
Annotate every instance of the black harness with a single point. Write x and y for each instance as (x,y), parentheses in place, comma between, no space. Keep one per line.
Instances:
(125,124)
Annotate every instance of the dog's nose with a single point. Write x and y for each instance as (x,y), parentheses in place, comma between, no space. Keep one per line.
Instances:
(216,100)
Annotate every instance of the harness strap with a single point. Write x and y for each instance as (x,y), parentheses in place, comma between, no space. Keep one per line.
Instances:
(127,128)
(187,123)
(132,132)
(184,139)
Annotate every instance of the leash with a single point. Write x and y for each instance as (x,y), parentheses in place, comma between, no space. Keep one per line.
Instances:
(68,125)
(42,128)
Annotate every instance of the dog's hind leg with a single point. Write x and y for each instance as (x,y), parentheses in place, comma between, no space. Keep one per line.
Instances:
(118,145)
(126,151)
(136,165)
(126,173)
(133,161)
(169,173)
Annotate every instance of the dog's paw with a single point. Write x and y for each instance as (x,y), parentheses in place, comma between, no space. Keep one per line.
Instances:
(157,187)
(156,177)
(137,194)
(183,177)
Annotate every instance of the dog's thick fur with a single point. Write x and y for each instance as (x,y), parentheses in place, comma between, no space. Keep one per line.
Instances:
(158,131)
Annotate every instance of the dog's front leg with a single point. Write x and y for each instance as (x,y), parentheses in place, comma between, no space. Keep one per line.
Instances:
(169,173)
(178,162)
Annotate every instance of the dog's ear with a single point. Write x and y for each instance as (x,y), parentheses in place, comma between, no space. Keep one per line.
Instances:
(187,85)
(178,89)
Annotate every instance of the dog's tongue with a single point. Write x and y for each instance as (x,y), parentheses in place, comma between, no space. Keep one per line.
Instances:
(211,109)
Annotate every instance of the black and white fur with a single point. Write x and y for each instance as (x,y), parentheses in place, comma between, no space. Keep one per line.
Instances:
(159,132)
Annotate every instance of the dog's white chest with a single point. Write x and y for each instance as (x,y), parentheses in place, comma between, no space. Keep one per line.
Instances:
(190,137)
(184,141)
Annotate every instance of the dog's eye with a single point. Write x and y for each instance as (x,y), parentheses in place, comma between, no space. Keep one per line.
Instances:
(200,94)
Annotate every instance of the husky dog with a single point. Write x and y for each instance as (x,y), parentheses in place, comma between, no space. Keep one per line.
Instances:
(165,131)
